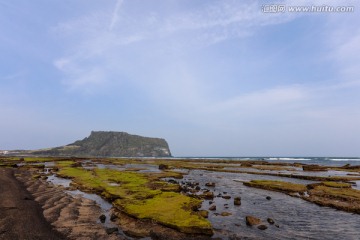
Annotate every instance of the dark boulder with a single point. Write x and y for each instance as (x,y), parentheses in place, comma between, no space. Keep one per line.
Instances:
(270,220)
(237,201)
(262,227)
(207,195)
(163,167)
(210,184)
(111,230)
(113,217)
(212,208)
(251,220)
(102,218)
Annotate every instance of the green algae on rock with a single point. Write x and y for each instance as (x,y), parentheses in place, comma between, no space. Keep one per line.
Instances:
(170,209)
(346,199)
(337,184)
(330,194)
(143,196)
(277,186)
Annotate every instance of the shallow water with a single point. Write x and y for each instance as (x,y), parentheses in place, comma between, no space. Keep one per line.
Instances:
(297,219)
(59,181)
(329,161)
(104,205)
(144,168)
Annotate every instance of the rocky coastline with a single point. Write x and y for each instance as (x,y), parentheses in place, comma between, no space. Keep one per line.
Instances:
(145,192)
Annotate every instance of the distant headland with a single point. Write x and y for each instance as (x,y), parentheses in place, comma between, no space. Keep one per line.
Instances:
(105,144)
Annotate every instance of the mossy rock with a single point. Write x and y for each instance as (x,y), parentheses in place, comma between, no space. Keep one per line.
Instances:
(170,209)
(346,199)
(344,194)
(67,163)
(143,196)
(277,186)
(204,213)
(225,214)
(34,166)
(251,220)
(337,184)
(314,167)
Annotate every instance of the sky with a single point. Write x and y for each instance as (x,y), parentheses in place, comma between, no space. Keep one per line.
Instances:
(214,77)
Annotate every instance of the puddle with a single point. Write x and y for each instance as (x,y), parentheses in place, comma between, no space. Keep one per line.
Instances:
(104,205)
(109,166)
(144,168)
(297,219)
(49,164)
(114,184)
(59,181)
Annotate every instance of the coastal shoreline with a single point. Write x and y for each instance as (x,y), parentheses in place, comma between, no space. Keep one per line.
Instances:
(20,216)
(238,189)
(34,209)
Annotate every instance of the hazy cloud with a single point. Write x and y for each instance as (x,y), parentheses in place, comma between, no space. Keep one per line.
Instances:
(115,15)
(92,42)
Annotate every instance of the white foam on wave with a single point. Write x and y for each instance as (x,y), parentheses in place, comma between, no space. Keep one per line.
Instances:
(344,159)
(289,159)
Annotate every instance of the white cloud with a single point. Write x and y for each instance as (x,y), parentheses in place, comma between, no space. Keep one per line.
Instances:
(342,38)
(115,15)
(148,49)
(266,99)
(14,76)
(279,104)
(347,54)
(92,43)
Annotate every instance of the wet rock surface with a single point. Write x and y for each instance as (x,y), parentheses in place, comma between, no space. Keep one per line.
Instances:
(251,220)
(262,227)
(111,230)
(325,222)
(270,220)
(210,184)
(311,221)
(74,217)
(237,201)
(20,216)
(212,208)
(102,218)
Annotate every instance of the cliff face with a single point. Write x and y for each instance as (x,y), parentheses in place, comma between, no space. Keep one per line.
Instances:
(112,144)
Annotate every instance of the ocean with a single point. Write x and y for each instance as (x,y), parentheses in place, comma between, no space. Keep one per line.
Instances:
(328,161)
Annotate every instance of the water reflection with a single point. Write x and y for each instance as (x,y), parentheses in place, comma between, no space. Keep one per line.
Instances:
(297,219)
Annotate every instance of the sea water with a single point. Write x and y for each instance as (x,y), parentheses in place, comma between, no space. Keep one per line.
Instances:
(330,161)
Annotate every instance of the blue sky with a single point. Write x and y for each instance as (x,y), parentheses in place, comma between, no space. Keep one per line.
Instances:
(214,78)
